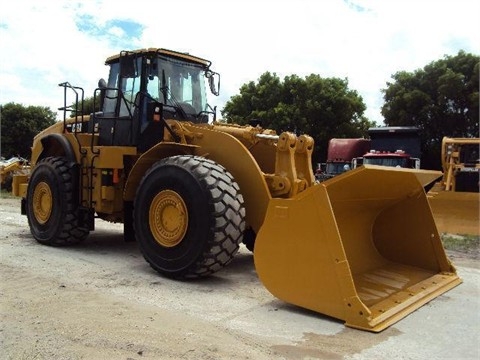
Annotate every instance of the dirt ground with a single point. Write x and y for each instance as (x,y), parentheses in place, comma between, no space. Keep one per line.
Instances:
(101,300)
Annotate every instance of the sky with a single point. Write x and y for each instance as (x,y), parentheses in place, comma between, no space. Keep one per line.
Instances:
(45,43)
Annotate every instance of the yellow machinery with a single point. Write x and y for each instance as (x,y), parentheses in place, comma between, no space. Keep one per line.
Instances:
(10,167)
(362,247)
(461,164)
(455,200)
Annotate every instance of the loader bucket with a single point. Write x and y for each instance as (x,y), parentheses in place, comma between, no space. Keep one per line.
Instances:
(362,247)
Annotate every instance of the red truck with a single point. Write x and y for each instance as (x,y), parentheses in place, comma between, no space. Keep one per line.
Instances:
(340,154)
(396,146)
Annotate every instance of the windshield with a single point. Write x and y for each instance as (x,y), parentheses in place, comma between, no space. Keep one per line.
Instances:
(178,83)
(469,154)
(337,167)
(386,161)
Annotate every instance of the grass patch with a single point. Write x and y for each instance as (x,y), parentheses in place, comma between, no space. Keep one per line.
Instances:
(4,194)
(464,243)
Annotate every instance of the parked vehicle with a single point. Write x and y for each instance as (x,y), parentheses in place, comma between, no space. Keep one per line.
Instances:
(340,154)
(189,190)
(461,164)
(395,146)
(8,168)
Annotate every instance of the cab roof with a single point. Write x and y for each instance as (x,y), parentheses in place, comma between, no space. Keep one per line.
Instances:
(164,52)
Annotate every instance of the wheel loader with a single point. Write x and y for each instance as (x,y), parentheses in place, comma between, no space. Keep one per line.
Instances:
(10,167)
(461,164)
(455,199)
(361,247)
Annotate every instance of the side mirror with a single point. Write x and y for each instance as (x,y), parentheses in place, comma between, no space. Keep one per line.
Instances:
(355,163)
(102,85)
(213,82)
(417,163)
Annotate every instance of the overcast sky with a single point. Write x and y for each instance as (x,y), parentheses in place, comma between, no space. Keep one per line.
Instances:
(44,43)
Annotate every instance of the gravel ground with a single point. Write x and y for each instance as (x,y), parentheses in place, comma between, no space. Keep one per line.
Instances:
(101,300)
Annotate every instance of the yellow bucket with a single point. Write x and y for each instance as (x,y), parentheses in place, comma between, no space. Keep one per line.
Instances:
(362,247)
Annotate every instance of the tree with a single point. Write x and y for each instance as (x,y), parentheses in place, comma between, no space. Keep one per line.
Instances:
(19,124)
(88,107)
(321,107)
(441,99)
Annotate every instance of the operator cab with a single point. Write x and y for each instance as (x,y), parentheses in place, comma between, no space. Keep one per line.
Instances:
(147,87)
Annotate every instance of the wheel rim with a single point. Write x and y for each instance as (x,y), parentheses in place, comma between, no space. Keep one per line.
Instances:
(42,202)
(168,218)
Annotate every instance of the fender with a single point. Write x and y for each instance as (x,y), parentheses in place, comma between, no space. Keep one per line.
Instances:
(156,153)
(228,151)
(56,145)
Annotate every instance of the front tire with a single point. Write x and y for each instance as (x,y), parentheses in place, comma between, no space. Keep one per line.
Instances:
(52,203)
(188,217)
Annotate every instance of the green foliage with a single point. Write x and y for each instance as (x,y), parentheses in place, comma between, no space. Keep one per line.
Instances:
(19,124)
(465,243)
(6,194)
(441,99)
(87,107)
(320,107)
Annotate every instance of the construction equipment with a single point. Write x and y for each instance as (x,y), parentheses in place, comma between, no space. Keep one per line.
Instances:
(397,146)
(362,247)
(340,154)
(8,168)
(461,164)
(455,200)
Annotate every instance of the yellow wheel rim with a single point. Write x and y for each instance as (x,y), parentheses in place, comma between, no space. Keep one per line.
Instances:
(42,202)
(168,218)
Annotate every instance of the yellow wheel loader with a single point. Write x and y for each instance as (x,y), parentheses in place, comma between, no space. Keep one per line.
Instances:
(362,247)
(10,167)
(455,200)
(461,164)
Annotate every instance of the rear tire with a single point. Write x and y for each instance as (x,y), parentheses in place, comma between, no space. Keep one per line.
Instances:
(52,203)
(188,217)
